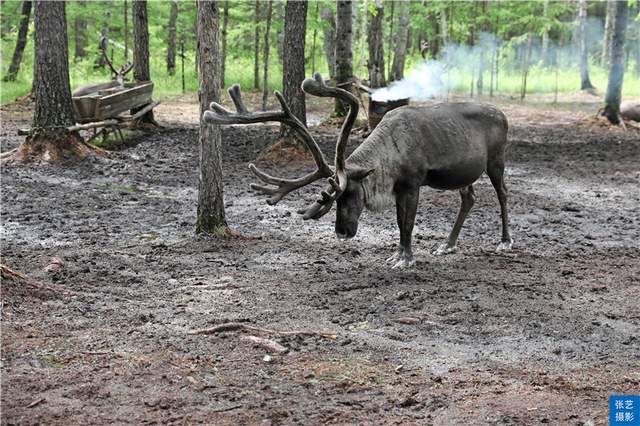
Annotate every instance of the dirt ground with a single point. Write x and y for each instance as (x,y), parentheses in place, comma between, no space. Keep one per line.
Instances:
(541,334)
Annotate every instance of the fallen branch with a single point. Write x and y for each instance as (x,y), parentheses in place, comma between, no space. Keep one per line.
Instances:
(267,344)
(235,326)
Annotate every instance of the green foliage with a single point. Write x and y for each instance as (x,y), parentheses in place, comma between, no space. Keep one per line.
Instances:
(510,21)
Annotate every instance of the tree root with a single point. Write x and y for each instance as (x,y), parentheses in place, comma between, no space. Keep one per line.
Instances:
(238,326)
(42,148)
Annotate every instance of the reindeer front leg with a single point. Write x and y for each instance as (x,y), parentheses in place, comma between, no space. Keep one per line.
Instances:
(406,207)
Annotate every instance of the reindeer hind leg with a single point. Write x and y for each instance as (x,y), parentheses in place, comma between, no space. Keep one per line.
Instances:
(468,199)
(495,170)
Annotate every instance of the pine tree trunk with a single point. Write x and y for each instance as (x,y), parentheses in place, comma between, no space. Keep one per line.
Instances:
(329,39)
(171,39)
(402,36)
(53,107)
(256,48)
(102,62)
(20,43)
(608,32)
(545,35)
(126,31)
(80,30)
(344,51)
(391,39)
(265,58)
(363,38)
(376,48)
(315,37)
(585,82)
(616,71)
(295,25)
(50,139)
(210,215)
(443,27)
(141,50)
(223,58)
(480,82)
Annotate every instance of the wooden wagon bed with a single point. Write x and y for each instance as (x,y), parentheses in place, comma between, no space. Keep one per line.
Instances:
(103,109)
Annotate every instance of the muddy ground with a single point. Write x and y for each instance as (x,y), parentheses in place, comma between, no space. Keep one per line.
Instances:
(542,334)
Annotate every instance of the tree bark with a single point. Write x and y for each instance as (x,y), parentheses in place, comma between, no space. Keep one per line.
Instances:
(53,107)
(256,48)
(376,48)
(585,82)
(480,82)
(80,30)
(105,31)
(141,49)
(20,43)
(363,38)
(49,138)
(545,34)
(608,32)
(295,26)
(390,38)
(402,37)
(329,39)
(126,31)
(210,215)
(265,59)
(223,58)
(344,51)
(171,39)
(616,70)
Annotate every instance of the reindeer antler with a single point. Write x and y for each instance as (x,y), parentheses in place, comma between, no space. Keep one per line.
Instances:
(338,182)
(220,115)
(104,43)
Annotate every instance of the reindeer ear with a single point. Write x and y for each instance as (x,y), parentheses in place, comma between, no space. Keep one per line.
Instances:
(359,173)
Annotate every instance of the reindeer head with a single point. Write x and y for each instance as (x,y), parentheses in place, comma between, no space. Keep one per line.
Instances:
(345,183)
(124,69)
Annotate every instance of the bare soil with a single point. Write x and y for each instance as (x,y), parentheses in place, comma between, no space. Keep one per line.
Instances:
(101,335)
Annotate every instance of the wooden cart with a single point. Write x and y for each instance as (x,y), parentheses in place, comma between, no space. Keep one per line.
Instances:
(102,109)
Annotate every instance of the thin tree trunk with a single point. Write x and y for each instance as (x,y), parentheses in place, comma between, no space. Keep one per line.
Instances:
(525,67)
(585,82)
(391,39)
(363,38)
(265,57)
(344,52)
(126,31)
(141,70)
(256,48)
(210,215)
(443,27)
(480,82)
(402,36)
(80,30)
(102,62)
(171,39)
(315,36)
(616,71)
(223,58)
(329,39)
(608,32)
(295,26)
(545,34)
(376,48)
(20,43)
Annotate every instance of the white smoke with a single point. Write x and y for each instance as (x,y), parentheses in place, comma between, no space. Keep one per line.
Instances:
(421,83)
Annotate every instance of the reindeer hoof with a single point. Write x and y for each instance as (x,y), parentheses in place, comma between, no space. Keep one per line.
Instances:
(504,246)
(394,259)
(404,264)
(444,249)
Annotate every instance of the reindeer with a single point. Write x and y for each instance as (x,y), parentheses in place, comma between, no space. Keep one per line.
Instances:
(446,146)
(119,75)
